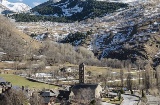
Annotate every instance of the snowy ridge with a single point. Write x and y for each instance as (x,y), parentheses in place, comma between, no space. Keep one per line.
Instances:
(16,7)
(2,8)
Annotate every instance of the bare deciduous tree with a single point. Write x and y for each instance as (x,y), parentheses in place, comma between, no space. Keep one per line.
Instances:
(129,80)
(148,77)
(14,97)
(36,99)
(122,77)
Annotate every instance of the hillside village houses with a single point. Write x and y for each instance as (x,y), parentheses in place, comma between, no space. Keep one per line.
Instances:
(4,86)
(41,75)
(66,69)
(49,96)
(70,93)
(67,94)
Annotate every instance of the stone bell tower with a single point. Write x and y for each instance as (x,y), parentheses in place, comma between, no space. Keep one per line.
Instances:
(82,73)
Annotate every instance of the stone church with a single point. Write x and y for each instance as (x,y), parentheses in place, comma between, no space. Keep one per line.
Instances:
(95,89)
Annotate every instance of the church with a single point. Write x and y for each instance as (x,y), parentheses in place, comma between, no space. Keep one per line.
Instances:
(94,89)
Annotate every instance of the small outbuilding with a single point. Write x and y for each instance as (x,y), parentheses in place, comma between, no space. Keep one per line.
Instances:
(49,95)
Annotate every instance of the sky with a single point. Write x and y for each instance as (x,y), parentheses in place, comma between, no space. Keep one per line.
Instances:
(31,3)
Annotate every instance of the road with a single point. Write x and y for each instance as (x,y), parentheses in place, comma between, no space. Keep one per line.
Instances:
(128,100)
(152,100)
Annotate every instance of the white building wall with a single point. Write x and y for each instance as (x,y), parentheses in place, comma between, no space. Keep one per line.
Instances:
(98,91)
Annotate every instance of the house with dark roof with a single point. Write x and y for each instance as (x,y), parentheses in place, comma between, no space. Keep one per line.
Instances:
(49,95)
(67,69)
(4,86)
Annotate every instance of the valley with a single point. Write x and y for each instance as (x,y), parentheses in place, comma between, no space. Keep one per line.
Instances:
(81,53)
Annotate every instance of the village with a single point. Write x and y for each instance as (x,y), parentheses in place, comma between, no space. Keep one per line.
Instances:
(117,63)
(67,92)
(76,86)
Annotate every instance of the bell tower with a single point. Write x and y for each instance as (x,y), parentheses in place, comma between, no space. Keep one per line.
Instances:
(82,73)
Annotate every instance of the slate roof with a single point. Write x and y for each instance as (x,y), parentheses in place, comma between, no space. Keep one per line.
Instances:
(84,86)
(64,94)
(49,94)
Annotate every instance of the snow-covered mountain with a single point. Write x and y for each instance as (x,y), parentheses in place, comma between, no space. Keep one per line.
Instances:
(2,8)
(77,9)
(14,7)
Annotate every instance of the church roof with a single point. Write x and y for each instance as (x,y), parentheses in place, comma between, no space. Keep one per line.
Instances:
(84,86)
(64,94)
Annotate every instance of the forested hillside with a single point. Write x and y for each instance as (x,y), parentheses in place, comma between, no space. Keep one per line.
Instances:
(70,10)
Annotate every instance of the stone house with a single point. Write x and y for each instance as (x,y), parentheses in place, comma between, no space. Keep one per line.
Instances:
(49,95)
(67,69)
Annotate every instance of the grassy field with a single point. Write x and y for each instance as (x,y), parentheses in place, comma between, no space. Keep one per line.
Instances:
(20,81)
(95,69)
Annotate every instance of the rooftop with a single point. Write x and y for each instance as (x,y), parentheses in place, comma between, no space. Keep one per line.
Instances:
(82,86)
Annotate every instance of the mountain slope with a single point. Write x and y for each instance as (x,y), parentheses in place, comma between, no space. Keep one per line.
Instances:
(13,42)
(71,10)
(73,7)
(131,34)
(14,7)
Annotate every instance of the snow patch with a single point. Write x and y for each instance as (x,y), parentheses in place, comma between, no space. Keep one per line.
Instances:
(16,7)
(69,11)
